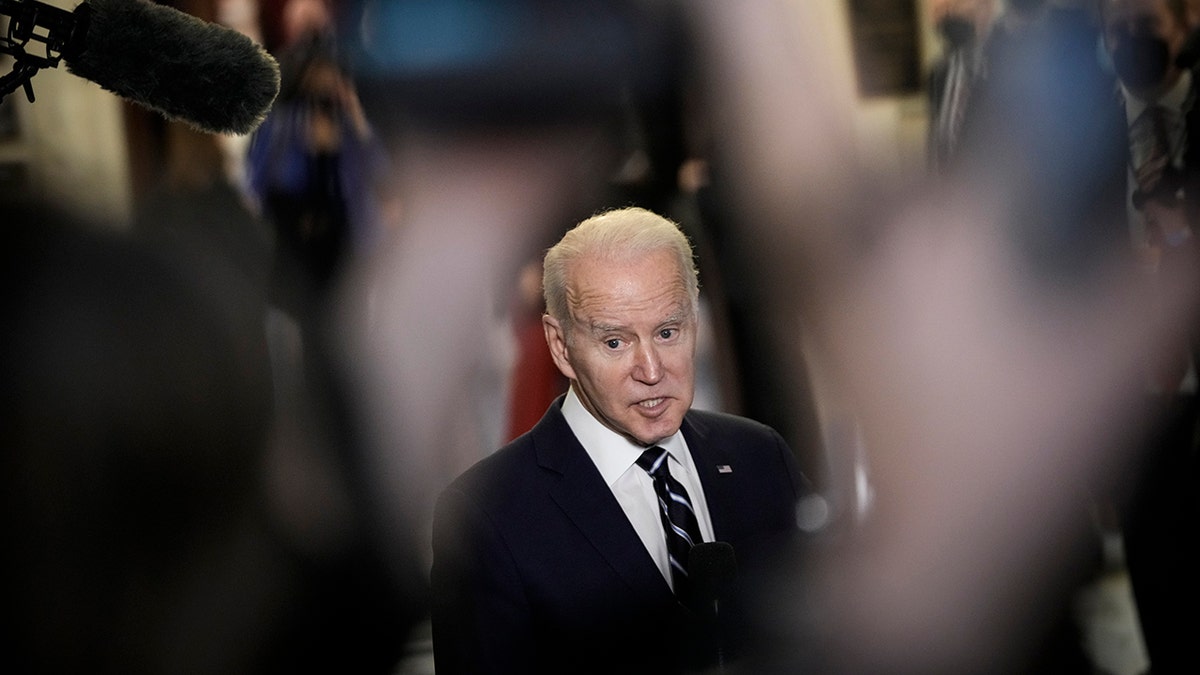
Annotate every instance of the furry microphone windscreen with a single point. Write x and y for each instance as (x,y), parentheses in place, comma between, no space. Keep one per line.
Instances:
(208,76)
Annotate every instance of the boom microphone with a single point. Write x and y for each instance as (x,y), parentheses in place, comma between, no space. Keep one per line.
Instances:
(210,76)
(205,75)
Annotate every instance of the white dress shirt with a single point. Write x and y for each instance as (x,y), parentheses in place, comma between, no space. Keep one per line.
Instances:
(615,456)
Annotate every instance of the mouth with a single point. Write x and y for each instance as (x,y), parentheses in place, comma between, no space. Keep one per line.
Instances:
(652,404)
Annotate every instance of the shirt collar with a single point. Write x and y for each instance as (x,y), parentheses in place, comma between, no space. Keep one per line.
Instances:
(1173,100)
(611,452)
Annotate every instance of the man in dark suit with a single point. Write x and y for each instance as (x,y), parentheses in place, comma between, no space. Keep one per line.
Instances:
(557,553)
(1148,42)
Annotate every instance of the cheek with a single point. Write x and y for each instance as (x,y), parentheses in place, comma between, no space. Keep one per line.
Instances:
(613,374)
(597,368)
(681,362)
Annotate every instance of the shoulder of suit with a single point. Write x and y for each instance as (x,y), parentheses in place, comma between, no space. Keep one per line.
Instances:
(496,468)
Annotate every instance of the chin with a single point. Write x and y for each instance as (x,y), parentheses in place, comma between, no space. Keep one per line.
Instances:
(652,436)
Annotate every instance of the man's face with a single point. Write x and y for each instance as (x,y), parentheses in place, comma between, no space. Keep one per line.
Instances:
(1134,30)
(632,344)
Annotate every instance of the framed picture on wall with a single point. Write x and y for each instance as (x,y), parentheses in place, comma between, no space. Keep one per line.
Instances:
(887,56)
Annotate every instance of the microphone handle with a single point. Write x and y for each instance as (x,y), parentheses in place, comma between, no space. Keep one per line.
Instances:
(717,632)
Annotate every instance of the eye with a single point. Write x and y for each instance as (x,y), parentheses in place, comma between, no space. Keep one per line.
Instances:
(668,333)
(612,343)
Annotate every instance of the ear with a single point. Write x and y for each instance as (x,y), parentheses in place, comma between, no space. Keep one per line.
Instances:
(556,340)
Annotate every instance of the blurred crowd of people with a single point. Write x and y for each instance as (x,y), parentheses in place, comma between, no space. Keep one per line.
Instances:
(225,428)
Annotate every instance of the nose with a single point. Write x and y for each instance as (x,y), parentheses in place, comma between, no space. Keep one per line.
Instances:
(647,367)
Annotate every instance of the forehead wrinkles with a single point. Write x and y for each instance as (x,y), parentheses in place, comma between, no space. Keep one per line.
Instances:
(601,306)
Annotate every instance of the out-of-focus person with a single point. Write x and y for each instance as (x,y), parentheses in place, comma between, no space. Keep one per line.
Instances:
(140,530)
(963,26)
(534,381)
(282,22)
(196,212)
(134,419)
(301,18)
(567,550)
(313,168)
(1147,41)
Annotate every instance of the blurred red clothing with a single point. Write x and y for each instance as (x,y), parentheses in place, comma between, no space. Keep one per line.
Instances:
(535,381)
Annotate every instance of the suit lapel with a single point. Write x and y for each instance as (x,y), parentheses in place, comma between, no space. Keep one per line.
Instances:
(714,464)
(581,493)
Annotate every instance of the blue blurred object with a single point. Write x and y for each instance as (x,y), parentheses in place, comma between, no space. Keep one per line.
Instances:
(499,61)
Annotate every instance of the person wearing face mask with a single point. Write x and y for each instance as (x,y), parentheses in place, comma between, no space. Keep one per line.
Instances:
(1148,42)
(1145,40)
(962,26)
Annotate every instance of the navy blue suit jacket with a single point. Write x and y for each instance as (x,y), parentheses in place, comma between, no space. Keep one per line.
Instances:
(537,569)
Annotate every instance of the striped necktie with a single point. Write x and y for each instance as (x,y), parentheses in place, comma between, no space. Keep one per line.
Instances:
(960,76)
(678,517)
(1150,146)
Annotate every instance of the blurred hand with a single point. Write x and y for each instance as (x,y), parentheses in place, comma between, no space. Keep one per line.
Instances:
(989,398)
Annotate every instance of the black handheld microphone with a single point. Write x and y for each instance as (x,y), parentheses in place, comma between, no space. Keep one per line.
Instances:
(208,76)
(712,568)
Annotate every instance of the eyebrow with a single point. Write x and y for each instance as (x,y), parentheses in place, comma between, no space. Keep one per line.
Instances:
(604,328)
(681,314)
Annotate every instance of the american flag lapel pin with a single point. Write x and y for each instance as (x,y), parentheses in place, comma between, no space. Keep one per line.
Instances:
(724,468)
